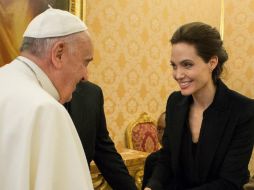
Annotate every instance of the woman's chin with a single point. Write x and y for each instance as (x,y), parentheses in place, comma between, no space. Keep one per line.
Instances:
(186,92)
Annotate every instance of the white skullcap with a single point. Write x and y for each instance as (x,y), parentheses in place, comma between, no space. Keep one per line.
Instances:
(54,23)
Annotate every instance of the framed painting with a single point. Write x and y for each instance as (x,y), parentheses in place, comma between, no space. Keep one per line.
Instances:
(16,15)
(76,7)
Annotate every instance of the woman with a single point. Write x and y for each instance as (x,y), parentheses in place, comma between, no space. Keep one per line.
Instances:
(209,132)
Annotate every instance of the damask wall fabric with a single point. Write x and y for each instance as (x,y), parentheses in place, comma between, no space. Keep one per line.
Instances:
(132,49)
(239,41)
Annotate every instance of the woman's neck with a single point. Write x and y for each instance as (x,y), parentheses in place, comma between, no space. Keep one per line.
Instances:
(204,97)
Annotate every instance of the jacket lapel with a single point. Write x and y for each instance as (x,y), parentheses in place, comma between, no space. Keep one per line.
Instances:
(213,126)
(178,122)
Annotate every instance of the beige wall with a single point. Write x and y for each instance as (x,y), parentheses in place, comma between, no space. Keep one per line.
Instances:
(132,51)
(239,41)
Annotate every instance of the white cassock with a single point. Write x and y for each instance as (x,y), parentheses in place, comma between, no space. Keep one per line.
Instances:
(39,146)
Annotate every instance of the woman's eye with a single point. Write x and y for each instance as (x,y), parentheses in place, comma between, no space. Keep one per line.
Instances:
(187,65)
(173,66)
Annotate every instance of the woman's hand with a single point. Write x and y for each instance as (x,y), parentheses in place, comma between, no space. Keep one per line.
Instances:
(147,188)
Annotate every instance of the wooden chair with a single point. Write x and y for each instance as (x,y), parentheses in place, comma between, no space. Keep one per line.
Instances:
(141,134)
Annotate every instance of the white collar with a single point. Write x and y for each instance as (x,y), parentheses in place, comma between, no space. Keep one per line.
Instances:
(42,78)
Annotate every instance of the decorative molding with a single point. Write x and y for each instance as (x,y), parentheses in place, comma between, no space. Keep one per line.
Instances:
(222,17)
(78,8)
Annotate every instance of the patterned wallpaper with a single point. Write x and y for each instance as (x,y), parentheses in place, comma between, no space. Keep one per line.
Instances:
(131,63)
(239,41)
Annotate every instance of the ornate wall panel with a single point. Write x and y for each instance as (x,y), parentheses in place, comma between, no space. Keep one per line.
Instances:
(131,63)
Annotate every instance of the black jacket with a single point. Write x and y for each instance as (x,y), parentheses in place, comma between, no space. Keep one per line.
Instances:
(224,147)
(86,110)
(150,163)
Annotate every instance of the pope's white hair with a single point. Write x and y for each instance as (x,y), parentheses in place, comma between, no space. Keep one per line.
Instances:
(40,47)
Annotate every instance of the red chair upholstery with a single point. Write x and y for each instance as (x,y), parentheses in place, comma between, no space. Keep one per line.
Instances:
(142,134)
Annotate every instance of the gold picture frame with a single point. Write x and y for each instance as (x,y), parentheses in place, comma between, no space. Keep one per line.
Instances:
(78,8)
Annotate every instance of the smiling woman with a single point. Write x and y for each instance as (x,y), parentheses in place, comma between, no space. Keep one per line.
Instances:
(13,21)
(204,127)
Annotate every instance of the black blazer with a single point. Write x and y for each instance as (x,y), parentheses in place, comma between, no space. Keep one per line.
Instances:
(150,163)
(87,113)
(224,147)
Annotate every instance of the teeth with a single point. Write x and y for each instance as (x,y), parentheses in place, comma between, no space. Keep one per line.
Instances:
(184,84)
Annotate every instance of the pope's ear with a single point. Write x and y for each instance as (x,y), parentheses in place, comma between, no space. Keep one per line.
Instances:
(57,54)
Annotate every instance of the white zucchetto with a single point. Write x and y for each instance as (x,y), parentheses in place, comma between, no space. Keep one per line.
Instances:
(54,23)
